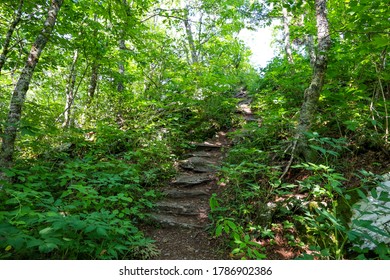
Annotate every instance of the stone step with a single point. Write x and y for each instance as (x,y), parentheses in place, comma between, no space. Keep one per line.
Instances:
(194,207)
(189,180)
(206,154)
(252,118)
(198,164)
(244,109)
(187,193)
(207,146)
(165,220)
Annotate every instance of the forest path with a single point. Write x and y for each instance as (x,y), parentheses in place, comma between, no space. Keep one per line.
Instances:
(182,216)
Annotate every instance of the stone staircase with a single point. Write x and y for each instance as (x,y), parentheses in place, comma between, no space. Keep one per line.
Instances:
(186,200)
(181,217)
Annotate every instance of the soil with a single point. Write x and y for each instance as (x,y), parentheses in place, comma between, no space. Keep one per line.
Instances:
(181,219)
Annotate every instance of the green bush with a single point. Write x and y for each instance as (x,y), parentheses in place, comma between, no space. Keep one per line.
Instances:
(87,209)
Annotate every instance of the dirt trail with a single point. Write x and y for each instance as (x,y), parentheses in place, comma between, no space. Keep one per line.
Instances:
(182,216)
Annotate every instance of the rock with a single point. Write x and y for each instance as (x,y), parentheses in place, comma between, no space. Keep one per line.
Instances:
(177,221)
(207,146)
(198,164)
(188,180)
(178,207)
(241,94)
(375,211)
(200,154)
(251,118)
(245,109)
(265,213)
(185,193)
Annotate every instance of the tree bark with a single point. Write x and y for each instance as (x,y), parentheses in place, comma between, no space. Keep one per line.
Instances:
(121,66)
(93,81)
(312,93)
(95,68)
(19,93)
(8,37)
(70,92)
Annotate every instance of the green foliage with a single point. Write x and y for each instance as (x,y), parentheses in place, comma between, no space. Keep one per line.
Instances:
(249,180)
(328,233)
(82,191)
(327,228)
(242,243)
(96,235)
(313,205)
(313,212)
(246,172)
(82,209)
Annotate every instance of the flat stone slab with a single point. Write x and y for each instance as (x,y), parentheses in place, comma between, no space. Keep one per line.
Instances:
(185,193)
(245,109)
(251,118)
(177,221)
(185,208)
(198,164)
(200,154)
(207,145)
(188,180)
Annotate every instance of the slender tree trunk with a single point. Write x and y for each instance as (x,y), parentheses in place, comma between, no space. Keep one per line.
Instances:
(121,66)
(121,86)
(312,93)
(70,92)
(122,48)
(94,71)
(190,38)
(93,81)
(286,35)
(8,37)
(19,93)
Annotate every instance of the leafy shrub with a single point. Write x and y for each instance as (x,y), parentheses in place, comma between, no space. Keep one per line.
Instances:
(248,180)
(315,210)
(241,243)
(87,209)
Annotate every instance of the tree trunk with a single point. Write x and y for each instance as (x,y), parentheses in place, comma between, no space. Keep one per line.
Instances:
(8,37)
(93,81)
(121,66)
(121,86)
(95,68)
(312,93)
(19,93)
(70,92)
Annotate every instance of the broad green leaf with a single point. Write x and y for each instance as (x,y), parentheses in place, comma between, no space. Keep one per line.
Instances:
(47,247)
(46,231)
(101,231)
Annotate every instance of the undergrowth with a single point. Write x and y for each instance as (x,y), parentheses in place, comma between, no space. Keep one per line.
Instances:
(306,214)
(312,212)
(85,193)
(81,209)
